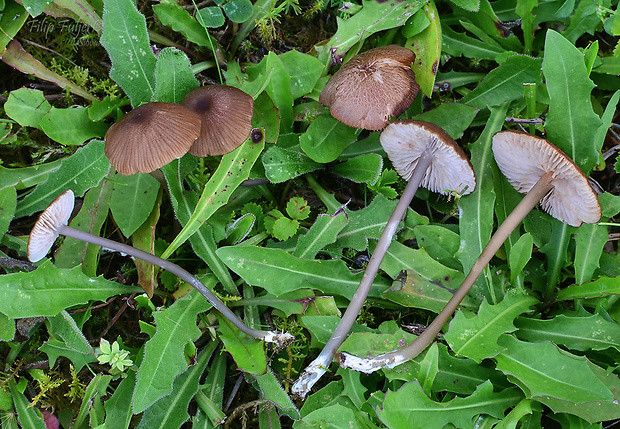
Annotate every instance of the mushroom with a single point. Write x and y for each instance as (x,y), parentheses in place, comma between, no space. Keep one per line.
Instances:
(533,166)
(425,155)
(372,87)
(226,114)
(150,137)
(529,161)
(54,222)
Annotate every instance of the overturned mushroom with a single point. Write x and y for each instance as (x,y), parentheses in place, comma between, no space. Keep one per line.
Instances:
(372,87)
(150,137)
(533,166)
(53,222)
(226,114)
(425,155)
(529,161)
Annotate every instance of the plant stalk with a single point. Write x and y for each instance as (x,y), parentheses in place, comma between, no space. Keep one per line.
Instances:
(317,368)
(326,198)
(174,269)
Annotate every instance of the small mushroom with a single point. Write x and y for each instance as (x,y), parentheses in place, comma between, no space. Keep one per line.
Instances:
(226,114)
(372,87)
(425,155)
(150,137)
(54,222)
(408,143)
(527,160)
(533,166)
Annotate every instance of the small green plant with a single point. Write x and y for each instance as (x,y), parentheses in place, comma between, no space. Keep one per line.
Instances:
(282,227)
(76,387)
(388,177)
(47,382)
(237,11)
(113,355)
(267,23)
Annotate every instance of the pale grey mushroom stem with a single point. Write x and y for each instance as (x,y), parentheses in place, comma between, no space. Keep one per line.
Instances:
(53,222)
(319,366)
(397,357)
(268,336)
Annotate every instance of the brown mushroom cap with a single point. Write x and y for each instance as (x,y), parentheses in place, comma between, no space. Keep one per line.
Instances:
(150,137)
(404,141)
(226,114)
(523,158)
(371,87)
(45,230)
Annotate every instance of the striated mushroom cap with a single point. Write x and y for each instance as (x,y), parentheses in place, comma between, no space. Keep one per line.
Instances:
(45,230)
(372,87)
(226,114)
(404,141)
(523,158)
(150,137)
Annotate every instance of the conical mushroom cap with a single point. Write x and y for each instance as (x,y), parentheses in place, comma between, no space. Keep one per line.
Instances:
(371,87)
(150,137)
(404,141)
(226,114)
(523,158)
(44,232)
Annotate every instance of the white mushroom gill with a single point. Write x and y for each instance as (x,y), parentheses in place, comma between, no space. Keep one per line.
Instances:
(524,158)
(405,142)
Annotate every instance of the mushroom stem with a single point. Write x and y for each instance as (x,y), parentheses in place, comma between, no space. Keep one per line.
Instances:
(317,368)
(268,336)
(417,346)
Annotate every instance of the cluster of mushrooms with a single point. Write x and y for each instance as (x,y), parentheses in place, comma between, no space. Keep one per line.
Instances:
(425,155)
(211,120)
(421,152)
